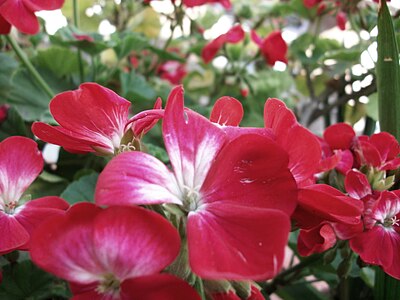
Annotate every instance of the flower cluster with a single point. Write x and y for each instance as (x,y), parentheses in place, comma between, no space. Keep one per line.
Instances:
(220,213)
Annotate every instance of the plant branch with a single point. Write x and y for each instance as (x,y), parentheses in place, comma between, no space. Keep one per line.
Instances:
(24,59)
(76,24)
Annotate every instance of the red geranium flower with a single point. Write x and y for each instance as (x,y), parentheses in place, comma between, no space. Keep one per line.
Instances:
(173,71)
(20,164)
(233,36)
(21,14)
(115,253)
(192,3)
(273,47)
(93,119)
(381,227)
(237,195)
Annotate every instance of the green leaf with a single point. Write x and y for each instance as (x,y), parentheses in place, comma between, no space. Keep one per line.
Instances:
(65,37)
(25,281)
(130,42)
(8,65)
(300,291)
(81,190)
(28,99)
(158,152)
(60,61)
(135,87)
(388,74)
(13,125)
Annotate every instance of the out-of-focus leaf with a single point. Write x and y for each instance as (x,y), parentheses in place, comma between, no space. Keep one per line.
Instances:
(136,88)
(60,61)
(65,37)
(25,281)
(300,291)
(146,22)
(28,99)
(130,42)
(373,107)
(13,125)
(343,55)
(158,152)
(8,65)
(388,76)
(81,190)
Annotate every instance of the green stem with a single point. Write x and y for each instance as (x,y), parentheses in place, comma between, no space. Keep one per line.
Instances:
(200,288)
(286,276)
(24,59)
(76,24)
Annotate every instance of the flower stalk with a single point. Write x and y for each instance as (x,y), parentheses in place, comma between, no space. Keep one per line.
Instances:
(24,59)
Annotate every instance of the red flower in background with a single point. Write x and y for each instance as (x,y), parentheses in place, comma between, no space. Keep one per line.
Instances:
(341,19)
(93,119)
(273,47)
(21,14)
(172,71)
(115,253)
(233,36)
(192,3)
(20,164)
(236,194)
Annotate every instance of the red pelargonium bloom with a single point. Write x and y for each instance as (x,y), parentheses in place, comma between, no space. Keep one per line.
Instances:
(273,47)
(382,227)
(337,144)
(92,119)
(233,36)
(311,3)
(380,150)
(172,71)
(325,214)
(237,194)
(192,3)
(341,19)
(20,164)
(115,253)
(280,125)
(21,14)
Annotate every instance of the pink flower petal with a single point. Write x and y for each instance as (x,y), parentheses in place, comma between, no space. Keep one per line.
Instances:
(37,5)
(13,234)
(278,117)
(5,27)
(235,34)
(132,241)
(339,136)
(64,245)
(274,48)
(222,233)
(157,287)
(316,240)
(94,112)
(253,171)
(211,49)
(58,136)
(256,38)
(304,154)
(34,212)
(20,164)
(357,185)
(369,155)
(324,201)
(191,140)
(19,15)
(136,178)
(227,111)
(365,244)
